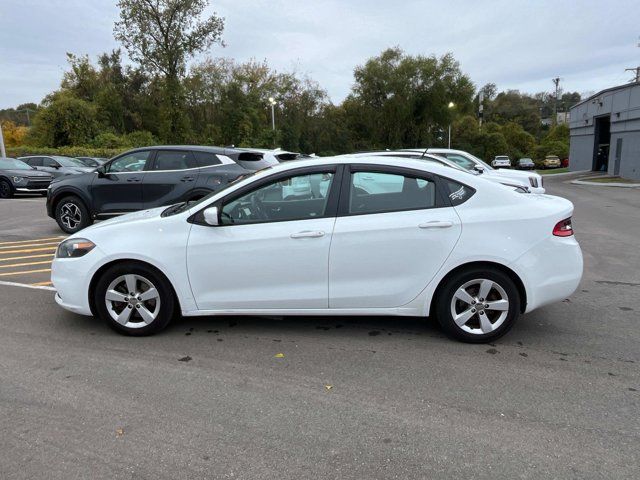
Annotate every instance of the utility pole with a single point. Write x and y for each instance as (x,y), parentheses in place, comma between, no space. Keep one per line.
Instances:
(480,108)
(636,79)
(3,152)
(556,82)
(27,111)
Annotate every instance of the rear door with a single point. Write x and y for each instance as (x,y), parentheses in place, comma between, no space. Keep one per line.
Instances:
(172,176)
(393,233)
(119,188)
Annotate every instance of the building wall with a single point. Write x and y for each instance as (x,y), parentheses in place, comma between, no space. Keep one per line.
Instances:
(581,152)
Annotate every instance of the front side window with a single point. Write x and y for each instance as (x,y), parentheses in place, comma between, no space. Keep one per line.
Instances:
(173,160)
(131,162)
(34,161)
(374,192)
(299,197)
(50,162)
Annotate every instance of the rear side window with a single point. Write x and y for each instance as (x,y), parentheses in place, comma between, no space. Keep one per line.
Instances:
(173,160)
(458,193)
(375,192)
(206,159)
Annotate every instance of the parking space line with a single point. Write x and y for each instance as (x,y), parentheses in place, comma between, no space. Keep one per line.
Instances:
(25,272)
(29,250)
(26,257)
(32,240)
(44,244)
(25,264)
(26,285)
(40,284)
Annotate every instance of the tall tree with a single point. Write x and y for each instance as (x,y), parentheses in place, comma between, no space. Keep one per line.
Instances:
(163,35)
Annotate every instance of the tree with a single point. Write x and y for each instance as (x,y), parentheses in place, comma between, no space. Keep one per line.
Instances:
(66,120)
(162,35)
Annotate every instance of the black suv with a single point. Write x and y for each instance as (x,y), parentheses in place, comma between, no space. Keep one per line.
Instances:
(146,178)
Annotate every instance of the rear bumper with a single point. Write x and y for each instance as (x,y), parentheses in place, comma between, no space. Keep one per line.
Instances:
(551,271)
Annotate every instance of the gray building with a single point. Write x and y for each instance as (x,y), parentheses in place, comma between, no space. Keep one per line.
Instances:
(605,132)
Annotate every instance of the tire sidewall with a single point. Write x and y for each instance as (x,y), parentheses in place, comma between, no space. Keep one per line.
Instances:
(445,295)
(167,297)
(8,183)
(85,220)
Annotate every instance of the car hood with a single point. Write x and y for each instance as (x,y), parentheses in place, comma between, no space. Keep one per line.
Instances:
(80,169)
(129,218)
(524,176)
(25,173)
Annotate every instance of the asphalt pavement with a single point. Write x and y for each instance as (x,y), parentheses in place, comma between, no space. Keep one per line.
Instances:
(352,398)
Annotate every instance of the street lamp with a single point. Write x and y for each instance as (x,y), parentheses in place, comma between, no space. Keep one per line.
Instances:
(451,105)
(272,102)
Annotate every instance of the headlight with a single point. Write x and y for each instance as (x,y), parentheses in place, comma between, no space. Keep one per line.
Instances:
(74,247)
(18,179)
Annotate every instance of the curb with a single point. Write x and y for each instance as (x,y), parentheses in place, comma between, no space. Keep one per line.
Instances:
(552,175)
(597,184)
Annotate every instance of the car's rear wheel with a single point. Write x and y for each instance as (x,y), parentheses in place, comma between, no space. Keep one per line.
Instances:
(72,215)
(134,299)
(478,305)
(6,189)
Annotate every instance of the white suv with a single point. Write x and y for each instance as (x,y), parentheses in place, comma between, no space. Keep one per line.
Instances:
(501,161)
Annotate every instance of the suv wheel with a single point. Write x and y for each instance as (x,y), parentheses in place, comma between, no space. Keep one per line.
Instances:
(72,215)
(134,299)
(6,189)
(478,305)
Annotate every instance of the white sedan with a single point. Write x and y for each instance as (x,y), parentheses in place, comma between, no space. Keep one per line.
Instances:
(331,236)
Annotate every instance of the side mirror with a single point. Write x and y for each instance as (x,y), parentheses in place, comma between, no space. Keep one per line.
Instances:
(56,166)
(100,171)
(479,168)
(211,216)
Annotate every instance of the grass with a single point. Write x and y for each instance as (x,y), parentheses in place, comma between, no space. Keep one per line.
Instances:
(610,180)
(553,171)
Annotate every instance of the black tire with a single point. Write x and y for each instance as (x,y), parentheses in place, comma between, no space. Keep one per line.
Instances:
(6,189)
(136,325)
(69,225)
(444,305)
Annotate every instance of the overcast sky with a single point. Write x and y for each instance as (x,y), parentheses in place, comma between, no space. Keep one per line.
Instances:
(517,44)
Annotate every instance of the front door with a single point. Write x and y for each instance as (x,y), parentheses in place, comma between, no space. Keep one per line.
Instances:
(172,175)
(119,188)
(393,234)
(271,249)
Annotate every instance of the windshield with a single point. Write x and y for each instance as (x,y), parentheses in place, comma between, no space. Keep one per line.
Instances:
(184,206)
(13,164)
(69,162)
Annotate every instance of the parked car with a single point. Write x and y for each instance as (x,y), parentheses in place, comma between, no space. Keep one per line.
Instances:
(384,237)
(56,165)
(92,161)
(525,164)
(146,178)
(471,162)
(551,161)
(501,161)
(18,177)
(520,185)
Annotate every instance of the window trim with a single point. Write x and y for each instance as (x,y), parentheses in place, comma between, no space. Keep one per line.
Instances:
(345,193)
(331,209)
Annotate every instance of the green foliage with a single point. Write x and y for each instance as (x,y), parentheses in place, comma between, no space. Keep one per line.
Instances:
(26,150)
(66,120)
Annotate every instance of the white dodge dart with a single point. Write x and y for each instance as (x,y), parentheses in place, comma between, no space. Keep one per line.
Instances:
(330,236)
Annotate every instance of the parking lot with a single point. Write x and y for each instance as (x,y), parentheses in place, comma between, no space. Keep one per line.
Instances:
(247,397)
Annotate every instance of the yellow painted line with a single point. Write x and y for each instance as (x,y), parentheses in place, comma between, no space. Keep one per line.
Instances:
(25,272)
(29,245)
(29,250)
(40,284)
(32,240)
(27,257)
(25,264)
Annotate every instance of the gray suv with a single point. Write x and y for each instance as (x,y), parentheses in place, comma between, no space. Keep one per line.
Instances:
(56,165)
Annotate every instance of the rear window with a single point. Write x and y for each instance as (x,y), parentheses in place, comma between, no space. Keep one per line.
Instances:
(457,193)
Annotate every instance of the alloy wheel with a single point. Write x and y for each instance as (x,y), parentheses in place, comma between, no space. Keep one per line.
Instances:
(132,301)
(70,215)
(479,306)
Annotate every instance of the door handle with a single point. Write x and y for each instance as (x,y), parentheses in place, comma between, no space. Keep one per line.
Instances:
(187,179)
(436,224)
(133,180)
(308,234)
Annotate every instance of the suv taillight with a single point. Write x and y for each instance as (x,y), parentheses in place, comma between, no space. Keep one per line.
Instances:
(563,228)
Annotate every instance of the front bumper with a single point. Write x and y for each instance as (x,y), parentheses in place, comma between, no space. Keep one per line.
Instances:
(30,190)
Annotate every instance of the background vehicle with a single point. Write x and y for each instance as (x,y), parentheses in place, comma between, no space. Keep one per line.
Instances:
(17,176)
(56,165)
(551,161)
(146,178)
(275,156)
(471,162)
(475,252)
(525,164)
(501,161)
(92,161)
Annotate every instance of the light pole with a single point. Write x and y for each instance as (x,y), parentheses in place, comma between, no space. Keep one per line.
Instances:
(3,153)
(272,102)
(451,105)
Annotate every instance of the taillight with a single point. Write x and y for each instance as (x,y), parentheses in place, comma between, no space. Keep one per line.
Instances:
(563,228)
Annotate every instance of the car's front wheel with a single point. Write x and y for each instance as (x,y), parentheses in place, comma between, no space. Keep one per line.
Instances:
(72,215)
(6,189)
(134,299)
(478,305)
